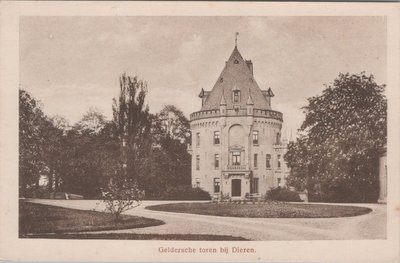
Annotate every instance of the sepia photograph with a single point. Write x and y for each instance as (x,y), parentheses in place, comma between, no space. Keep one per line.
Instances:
(202,128)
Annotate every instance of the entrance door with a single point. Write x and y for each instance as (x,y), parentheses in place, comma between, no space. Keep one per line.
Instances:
(236,187)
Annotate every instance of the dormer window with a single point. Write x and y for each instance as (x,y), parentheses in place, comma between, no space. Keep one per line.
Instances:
(236,96)
(255,137)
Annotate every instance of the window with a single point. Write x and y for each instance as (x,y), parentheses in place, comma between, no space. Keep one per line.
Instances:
(216,161)
(236,61)
(236,96)
(197,162)
(268,161)
(278,138)
(217,182)
(255,137)
(236,158)
(255,160)
(198,139)
(216,137)
(197,182)
(279,182)
(254,186)
(279,161)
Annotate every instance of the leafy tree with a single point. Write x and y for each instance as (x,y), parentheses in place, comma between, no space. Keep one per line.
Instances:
(31,141)
(93,121)
(170,161)
(171,122)
(337,157)
(92,155)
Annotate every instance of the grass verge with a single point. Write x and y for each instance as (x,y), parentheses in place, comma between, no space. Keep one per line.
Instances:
(38,218)
(131,236)
(272,210)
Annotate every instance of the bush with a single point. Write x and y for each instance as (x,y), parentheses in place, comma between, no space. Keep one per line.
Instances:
(120,195)
(282,194)
(182,193)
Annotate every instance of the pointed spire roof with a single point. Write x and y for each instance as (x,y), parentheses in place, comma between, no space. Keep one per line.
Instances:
(223,101)
(201,93)
(284,140)
(249,99)
(235,75)
(270,93)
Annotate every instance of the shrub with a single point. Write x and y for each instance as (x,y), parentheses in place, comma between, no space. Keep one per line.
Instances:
(282,194)
(181,192)
(120,195)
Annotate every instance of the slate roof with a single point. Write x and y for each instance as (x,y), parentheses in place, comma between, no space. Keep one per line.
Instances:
(235,75)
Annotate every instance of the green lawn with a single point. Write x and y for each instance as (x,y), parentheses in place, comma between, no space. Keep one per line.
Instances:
(44,221)
(268,210)
(130,236)
(37,218)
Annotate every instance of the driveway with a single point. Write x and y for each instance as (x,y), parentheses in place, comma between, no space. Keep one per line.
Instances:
(369,226)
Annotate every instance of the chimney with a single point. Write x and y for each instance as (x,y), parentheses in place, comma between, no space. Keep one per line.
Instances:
(250,66)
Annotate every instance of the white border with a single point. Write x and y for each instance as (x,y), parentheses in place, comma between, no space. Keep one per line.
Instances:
(12,248)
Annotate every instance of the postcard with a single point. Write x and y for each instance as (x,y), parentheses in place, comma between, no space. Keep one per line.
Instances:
(199,131)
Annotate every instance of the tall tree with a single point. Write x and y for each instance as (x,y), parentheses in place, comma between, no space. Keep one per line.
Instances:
(344,129)
(131,119)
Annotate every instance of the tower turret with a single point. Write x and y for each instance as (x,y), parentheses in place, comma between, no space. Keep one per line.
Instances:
(249,109)
(222,109)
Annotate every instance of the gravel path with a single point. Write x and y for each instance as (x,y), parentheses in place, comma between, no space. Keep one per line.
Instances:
(369,226)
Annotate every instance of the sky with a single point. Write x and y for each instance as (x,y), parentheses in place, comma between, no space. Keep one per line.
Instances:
(72,64)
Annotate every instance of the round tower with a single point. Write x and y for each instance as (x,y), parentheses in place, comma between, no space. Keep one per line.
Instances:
(235,135)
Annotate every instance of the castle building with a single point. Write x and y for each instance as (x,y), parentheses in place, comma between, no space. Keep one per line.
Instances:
(236,147)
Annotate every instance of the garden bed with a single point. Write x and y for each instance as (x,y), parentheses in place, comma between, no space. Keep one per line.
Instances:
(267,210)
(38,218)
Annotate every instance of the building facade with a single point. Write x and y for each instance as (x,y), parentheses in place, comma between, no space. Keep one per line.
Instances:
(383,175)
(236,136)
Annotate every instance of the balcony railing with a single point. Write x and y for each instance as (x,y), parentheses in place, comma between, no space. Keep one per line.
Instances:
(237,112)
(240,112)
(204,114)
